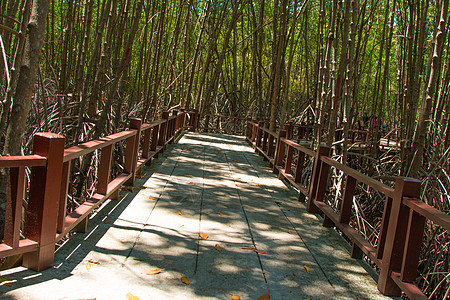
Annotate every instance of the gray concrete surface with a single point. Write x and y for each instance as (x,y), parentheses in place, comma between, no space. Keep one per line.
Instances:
(207,183)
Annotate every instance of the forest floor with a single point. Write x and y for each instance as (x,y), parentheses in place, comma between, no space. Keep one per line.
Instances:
(207,220)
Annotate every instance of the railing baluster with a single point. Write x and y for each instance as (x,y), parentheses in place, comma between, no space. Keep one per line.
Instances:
(413,245)
(65,177)
(317,181)
(279,152)
(384,227)
(13,213)
(131,150)
(104,170)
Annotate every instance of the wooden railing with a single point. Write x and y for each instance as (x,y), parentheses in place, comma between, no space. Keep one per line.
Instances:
(396,253)
(400,238)
(46,221)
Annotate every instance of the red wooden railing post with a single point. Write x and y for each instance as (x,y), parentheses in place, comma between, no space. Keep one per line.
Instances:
(132,150)
(317,179)
(173,126)
(163,129)
(279,152)
(259,134)
(248,131)
(42,212)
(196,119)
(396,235)
(289,129)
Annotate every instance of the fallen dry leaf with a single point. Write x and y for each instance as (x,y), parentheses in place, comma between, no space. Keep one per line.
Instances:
(289,232)
(179,213)
(250,248)
(306,268)
(139,259)
(203,235)
(106,221)
(127,188)
(185,280)
(359,298)
(191,182)
(138,176)
(130,296)
(93,262)
(237,184)
(5,281)
(221,214)
(88,266)
(153,272)
(264,297)
(217,247)
(331,245)
(234,297)
(145,187)
(152,198)
(259,251)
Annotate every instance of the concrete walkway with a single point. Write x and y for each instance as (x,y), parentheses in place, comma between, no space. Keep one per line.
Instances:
(209,211)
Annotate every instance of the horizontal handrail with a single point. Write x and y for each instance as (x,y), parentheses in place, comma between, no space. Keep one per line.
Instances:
(434,215)
(91,146)
(22,161)
(380,187)
(298,147)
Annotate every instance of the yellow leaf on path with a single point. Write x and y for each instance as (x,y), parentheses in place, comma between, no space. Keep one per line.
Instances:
(259,251)
(306,268)
(264,297)
(234,297)
(191,182)
(217,247)
(237,184)
(5,281)
(152,198)
(185,280)
(289,232)
(179,213)
(130,296)
(153,272)
(203,235)
(249,248)
(88,266)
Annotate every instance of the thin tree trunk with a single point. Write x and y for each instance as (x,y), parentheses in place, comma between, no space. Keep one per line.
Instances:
(427,99)
(24,92)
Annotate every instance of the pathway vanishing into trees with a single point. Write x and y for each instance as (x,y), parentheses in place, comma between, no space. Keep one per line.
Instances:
(207,220)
